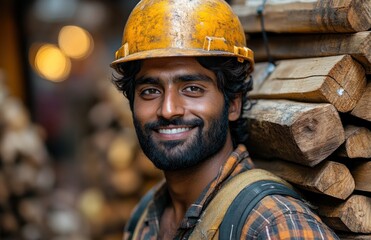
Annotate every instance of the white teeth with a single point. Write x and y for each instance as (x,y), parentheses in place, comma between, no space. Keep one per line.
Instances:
(173,130)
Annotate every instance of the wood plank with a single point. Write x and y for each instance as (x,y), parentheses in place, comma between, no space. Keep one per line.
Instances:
(363,107)
(305,16)
(358,45)
(352,215)
(305,133)
(357,143)
(338,80)
(343,236)
(362,176)
(328,178)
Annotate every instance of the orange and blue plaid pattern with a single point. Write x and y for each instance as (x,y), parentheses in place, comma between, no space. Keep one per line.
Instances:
(275,217)
(279,217)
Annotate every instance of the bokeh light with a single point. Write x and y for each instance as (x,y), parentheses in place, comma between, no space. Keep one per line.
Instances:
(75,42)
(51,63)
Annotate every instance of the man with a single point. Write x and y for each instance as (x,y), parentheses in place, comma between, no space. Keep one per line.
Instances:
(185,69)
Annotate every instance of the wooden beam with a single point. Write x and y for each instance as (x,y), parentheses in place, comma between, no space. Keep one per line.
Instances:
(305,17)
(358,45)
(353,215)
(328,178)
(362,176)
(305,133)
(343,236)
(363,107)
(357,143)
(338,80)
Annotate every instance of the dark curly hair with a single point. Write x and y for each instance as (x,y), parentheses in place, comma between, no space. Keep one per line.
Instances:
(233,80)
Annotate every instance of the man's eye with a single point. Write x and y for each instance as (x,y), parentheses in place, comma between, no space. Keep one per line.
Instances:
(150,91)
(193,89)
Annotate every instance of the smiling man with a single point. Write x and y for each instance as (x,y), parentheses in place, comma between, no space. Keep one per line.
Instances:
(184,67)
(180,115)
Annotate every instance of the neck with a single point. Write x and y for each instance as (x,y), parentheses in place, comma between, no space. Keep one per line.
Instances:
(186,185)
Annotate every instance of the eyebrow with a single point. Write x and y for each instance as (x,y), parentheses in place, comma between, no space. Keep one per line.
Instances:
(194,77)
(146,80)
(180,78)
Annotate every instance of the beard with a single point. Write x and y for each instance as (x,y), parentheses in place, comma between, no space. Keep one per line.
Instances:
(182,154)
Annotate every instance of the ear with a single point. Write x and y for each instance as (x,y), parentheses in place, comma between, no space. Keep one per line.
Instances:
(234,110)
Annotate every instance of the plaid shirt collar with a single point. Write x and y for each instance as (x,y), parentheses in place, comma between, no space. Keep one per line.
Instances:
(236,163)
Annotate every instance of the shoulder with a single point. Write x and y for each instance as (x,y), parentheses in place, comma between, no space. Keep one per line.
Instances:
(280,217)
(141,210)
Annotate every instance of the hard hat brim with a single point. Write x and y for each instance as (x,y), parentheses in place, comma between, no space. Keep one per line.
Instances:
(176,52)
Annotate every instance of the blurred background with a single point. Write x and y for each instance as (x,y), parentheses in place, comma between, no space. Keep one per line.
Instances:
(70,165)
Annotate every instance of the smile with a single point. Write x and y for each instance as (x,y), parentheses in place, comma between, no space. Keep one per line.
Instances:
(173,130)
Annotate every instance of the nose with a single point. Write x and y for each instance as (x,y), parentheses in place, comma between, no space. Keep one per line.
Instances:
(171,105)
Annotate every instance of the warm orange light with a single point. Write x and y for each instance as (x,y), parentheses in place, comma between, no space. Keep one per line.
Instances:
(75,42)
(51,63)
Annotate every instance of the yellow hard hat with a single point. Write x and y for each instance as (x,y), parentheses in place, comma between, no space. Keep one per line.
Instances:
(169,28)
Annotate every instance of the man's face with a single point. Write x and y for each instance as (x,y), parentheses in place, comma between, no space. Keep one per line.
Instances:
(180,115)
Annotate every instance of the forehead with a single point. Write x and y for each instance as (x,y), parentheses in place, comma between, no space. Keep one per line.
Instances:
(172,66)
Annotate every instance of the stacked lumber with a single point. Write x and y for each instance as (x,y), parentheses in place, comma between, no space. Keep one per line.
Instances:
(308,28)
(310,114)
(26,175)
(33,205)
(115,172)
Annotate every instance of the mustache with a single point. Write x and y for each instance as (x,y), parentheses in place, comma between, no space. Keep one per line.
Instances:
(162,122)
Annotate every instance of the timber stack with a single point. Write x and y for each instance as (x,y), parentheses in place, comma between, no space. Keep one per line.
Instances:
(26,175)
(310,117)
(34,204)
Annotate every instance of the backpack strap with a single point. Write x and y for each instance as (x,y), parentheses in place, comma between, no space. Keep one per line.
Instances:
(139,212)
(225,211)
(237,213)
(212,217)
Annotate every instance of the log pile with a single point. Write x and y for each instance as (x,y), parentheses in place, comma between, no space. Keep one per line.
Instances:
(26,175)
(310,120)
(33,203)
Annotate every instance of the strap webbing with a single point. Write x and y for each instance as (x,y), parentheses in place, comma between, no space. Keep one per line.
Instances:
(138,212)
(208,225)
(226,203)
(236,215)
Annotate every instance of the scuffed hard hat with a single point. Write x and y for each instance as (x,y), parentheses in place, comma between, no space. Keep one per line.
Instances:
(169,28)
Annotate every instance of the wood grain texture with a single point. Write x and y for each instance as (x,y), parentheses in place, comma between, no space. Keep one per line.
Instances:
(281,46)
(343,236)
(305,17)
(305,133)
(363,107)
(328,178)
(352,215)
(338,80)
(357,143)
(362,176)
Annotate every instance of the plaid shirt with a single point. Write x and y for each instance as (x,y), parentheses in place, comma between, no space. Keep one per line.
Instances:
(275,217)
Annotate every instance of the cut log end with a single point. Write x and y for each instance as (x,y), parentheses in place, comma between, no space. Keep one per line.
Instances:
(336,180)
(318,132)
(353,215)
